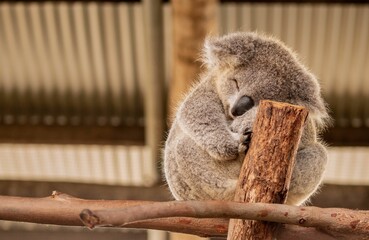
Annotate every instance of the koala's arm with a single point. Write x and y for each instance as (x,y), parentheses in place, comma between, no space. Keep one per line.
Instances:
(202,117)
(309,167)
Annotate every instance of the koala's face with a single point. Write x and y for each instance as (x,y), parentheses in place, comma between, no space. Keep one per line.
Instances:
(235,95)
(247,68)
(235,98)
(250,86)
(242,89)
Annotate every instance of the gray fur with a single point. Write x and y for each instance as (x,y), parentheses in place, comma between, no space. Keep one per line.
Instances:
(204,151)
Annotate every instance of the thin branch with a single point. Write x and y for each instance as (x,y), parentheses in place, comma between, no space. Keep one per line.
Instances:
(62,209)
(330,219)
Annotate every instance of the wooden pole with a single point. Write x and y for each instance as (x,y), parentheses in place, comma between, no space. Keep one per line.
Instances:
(192,22)
(154,101)
(266,172)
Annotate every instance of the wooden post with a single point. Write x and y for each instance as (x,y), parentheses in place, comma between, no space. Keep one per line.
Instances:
(154,79)
(192,22)
(266,172)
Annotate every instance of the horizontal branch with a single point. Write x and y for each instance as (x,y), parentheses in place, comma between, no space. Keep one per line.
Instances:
(330,219)
(62,209)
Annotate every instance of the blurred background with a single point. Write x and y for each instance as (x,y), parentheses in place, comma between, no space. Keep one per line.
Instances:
(87,90)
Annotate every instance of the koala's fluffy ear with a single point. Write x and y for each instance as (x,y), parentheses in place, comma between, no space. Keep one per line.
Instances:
(308,94)
(229,51)
(214,54)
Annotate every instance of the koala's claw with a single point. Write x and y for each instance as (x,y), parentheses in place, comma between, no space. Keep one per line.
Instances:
(247,132)
(245,141)
(247,137)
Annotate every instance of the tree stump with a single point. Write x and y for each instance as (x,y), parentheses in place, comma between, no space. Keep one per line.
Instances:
(267,168)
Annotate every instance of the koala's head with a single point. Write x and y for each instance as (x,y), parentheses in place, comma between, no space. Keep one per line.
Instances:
(248,67)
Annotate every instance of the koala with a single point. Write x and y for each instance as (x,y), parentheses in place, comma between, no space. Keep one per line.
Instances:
(211,129)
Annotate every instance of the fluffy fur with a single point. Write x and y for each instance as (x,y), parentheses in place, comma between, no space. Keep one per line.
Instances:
(204,149)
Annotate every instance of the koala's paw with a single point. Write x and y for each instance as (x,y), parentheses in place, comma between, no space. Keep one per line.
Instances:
(225,148)
(245,141)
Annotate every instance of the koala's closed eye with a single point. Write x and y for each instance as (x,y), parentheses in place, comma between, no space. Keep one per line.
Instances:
(235,82)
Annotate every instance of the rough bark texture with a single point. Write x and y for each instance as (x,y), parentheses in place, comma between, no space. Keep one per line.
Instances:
(63,209)
(266,172)
(192,22)
(187,217)
(332,220)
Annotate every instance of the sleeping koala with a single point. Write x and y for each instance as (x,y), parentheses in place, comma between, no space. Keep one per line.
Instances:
(208,139)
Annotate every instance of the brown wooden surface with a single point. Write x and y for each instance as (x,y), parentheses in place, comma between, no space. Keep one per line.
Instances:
(154,77)
(48,232)
(63,209)
(267,168)
(133,135)
(347,136)
(194,217)
(335,221)
(354,197)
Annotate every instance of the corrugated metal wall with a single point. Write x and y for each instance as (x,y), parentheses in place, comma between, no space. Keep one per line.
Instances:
(72,63)
(122,165)
(348,166)
(78,63)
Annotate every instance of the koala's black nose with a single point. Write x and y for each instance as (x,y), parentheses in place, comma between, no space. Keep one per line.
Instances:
(242,105)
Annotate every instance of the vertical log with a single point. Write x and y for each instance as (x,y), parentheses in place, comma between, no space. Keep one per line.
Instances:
(192,22)
(266,172)
(154,79)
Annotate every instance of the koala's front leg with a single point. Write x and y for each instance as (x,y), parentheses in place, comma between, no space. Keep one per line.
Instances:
(242,125)
(201,116)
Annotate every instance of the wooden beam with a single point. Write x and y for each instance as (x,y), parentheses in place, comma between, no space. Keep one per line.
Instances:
(135,135)
(299,2)
(154,77)
(84,190)
(37,232)
(354,197)
(347,136)
(72,134)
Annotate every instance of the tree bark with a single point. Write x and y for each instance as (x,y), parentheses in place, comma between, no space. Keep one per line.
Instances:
(187,217)
(332,220)
(63,209)
(267,168)
(192,22)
